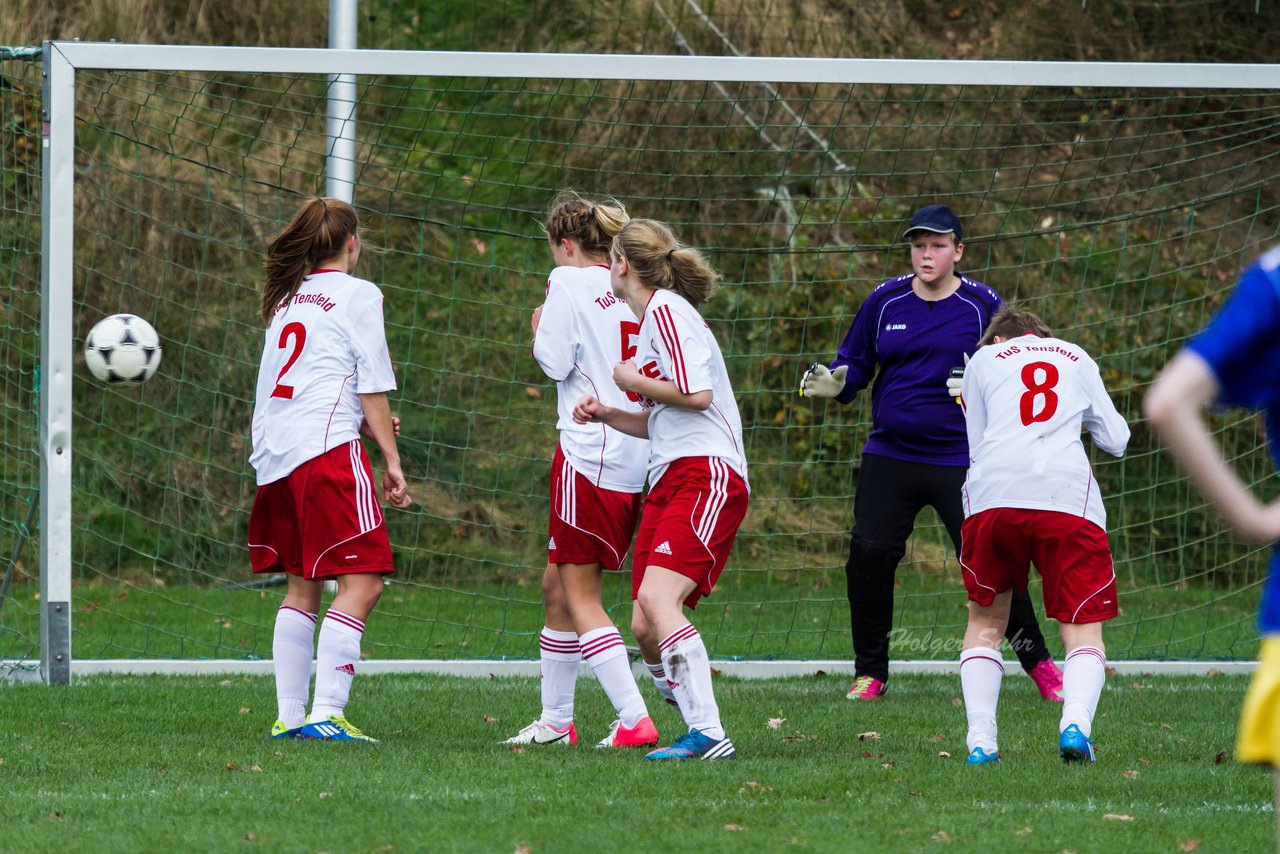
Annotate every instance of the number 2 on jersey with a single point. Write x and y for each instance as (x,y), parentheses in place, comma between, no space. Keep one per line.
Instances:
(1035,389)
(298,333)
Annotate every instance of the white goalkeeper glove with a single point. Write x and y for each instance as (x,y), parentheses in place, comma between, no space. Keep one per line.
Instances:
(957,379)
(819,381)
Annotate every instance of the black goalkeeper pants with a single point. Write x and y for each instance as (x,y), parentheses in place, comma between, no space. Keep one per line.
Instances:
(889,495)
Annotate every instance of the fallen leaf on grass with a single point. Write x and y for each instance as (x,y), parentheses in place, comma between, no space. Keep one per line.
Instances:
(1113,816)
(1129,775)
(774,723)
(1146,763)
(1189,845)
(735,827)
(944,754)
(941,836)
(888,764)
(752,784)
(257,768)
(957,702)
(1213,672)
(916,794)
(798,736)
(868,736)
(523,849)
(323,795)
(940,737)
(1166,726)
(230,766)
(490,719)
(517,748)
(1024,832)
(1221,757)
(245,710)
(249,837)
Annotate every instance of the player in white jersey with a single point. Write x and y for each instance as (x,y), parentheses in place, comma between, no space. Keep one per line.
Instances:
(322,383)
(597,475)
(1030,497)
(697,471)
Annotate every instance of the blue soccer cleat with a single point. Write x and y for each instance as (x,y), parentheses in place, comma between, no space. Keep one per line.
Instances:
(978,756)
(1075,746)
(694,745)
(279,730)
(335,728)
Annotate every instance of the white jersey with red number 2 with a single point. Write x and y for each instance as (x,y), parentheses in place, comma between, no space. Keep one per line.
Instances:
(323,349)
(583,332)
(1025,401)
(677,346)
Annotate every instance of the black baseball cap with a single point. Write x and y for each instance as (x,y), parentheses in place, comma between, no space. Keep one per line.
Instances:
(939,219)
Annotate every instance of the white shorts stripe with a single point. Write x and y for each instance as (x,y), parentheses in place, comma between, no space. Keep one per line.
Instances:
(717,496)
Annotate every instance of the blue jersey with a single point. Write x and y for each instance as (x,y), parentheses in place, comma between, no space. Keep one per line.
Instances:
(1242,347)
(909,346)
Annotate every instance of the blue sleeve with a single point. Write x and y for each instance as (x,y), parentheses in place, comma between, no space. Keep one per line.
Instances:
(1242,343)
(858,350)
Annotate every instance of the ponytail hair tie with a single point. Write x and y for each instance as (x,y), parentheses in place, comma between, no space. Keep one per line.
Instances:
(591,212)
(671,254)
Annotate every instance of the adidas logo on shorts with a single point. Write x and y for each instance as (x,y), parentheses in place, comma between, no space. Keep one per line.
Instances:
(349,669)
(664,548)
(551,544)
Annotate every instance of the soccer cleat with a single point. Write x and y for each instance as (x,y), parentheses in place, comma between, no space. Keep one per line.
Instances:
(1048,679)
(694,745)
(978,756)
(866,688)
(540,733)
(643,734)
(1075,746)
(335,728)
(279,730)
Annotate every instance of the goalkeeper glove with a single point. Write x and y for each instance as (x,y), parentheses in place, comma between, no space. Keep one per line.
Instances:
(819,381)
(956,380)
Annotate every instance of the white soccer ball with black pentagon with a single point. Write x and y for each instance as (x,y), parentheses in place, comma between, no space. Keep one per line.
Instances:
(122,349)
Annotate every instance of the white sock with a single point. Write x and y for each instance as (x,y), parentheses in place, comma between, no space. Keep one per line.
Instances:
(1083,674)
(337,654)
(659,675)
(981,670)
(684,657)
(560,657)
(291,650)
(607,654)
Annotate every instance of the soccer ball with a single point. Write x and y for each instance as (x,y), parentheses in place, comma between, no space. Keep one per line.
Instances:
(122,349)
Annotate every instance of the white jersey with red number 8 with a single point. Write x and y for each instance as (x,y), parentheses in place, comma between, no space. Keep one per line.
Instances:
(323,349)
(584,330)
(1025,403)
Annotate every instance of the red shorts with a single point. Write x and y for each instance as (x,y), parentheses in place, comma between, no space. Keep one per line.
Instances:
(689,522)
(322,520)
(589,525)
(998,546)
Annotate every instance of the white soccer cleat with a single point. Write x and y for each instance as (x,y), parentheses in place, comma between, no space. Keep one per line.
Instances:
(540,733)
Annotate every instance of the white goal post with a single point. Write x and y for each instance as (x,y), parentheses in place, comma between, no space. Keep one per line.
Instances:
(63,61)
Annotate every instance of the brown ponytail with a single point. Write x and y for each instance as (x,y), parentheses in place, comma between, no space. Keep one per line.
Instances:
(317,233)
(659,260)
(593,224)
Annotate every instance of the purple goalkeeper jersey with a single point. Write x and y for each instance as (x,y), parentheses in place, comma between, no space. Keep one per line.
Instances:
(914,344)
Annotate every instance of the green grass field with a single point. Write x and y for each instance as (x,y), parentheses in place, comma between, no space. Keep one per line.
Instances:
(143,764)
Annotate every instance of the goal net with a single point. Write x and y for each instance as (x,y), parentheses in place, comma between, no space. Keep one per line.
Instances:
(1117,201)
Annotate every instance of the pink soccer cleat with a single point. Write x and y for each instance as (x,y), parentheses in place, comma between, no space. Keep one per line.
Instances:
(643,734)
(1048,679)
(866,688)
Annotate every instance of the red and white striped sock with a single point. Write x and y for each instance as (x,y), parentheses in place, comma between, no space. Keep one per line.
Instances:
(559,658)
(337,655)
(684,657)
(292,646)
(1083,675)
(981,670)
(659,675)
(607,654)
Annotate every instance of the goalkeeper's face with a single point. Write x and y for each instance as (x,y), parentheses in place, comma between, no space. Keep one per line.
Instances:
(934,256)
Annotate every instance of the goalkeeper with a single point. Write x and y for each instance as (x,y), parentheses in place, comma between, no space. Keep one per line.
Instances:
(909,335)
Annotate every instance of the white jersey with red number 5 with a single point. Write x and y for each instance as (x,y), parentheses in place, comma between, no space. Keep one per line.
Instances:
(677,346)
(1025,402)
(323,349)
(583,332)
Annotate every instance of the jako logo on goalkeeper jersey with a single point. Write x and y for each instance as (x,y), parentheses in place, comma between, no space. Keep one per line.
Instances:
(894,327)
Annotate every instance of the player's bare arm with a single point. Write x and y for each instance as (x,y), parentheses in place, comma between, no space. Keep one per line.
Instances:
(1174,406)
(588,410)
(536,319)
(628,378)
(378,418)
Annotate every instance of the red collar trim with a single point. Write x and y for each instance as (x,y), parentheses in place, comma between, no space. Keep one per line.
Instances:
(323,270)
